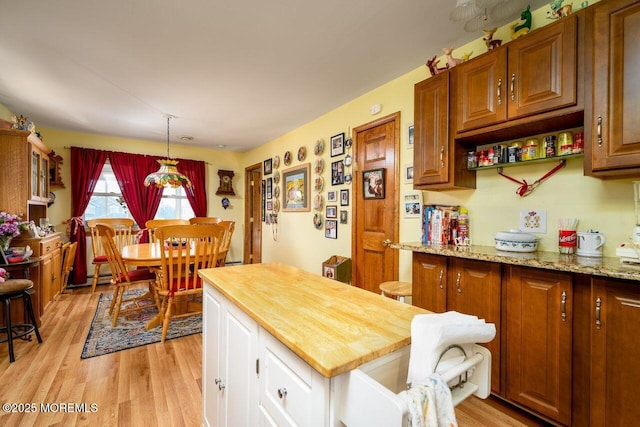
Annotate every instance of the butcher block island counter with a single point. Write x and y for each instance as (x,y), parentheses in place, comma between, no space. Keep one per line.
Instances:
(280,343)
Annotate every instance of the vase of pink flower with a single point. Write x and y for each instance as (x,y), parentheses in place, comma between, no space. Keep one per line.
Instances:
(10,226)
(4,275)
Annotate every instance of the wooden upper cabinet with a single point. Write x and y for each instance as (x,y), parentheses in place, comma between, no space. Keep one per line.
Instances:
(531,75)
(431,130)
(612,128)
(436,156)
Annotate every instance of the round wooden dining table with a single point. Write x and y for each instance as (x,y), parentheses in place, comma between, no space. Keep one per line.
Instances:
(143,254)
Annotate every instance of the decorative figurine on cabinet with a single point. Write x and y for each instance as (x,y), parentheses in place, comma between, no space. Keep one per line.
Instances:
(433,66)
(558,11)
(451,61)
(467,55)
(520,29)
(488,39)
(225,182)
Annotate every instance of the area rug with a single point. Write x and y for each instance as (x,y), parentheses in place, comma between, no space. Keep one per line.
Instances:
(129,332)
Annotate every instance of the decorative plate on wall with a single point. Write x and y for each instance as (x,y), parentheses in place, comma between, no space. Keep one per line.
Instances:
(319,183)
(318,202)
(318,149)
(287,158)
(276,177)
(317,221)
(318,167)
(276,192)
(276,162)
(302,153)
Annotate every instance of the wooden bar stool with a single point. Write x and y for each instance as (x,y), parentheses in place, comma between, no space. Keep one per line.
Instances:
(396,289)
(14,288)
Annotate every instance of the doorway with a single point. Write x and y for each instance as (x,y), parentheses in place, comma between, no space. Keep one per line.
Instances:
(375,202)
(253,214)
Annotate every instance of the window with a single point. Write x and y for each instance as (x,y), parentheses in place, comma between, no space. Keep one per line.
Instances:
(107,200)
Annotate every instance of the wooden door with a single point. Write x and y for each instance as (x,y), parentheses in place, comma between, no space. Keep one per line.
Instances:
(429,280)
(474,288)
(612,128)
(481,91)
(253,214)
(375,219)
(539,322)
(615,316)
(542,70)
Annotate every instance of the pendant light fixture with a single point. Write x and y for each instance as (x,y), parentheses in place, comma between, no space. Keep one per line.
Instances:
(167,175)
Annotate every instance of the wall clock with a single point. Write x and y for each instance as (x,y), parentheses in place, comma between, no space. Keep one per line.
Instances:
(226,186)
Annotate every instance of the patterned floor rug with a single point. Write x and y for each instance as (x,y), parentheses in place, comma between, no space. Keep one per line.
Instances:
(130,332)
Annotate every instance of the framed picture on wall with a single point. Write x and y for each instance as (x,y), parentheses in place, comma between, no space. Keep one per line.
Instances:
(343,217)
(269,188)
(332,212)
(296,194)
(412,205)
(332,196)
(373,182)
(410,136)
(331,229)
(344,197)
(337,144)
(337,173)
(268,166)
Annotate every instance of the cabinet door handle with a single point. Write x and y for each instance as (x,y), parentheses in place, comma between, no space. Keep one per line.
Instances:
(499,91)
(218,381)
(442,156)
(599,131)
(563,306)
(440,279)
(282,392)
(598,309)
(458,283)
(513,84)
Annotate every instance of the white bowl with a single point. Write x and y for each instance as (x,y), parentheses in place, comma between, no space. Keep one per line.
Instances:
(516,241)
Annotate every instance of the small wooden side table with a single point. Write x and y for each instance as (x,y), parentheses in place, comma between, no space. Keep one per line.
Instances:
(396,289)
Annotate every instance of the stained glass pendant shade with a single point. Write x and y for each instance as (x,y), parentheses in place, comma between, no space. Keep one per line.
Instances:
(167,175)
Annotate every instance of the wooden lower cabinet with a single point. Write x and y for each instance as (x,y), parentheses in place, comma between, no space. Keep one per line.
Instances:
(467,286)
(474,288)
(539,340)
(615,353)
(429,287)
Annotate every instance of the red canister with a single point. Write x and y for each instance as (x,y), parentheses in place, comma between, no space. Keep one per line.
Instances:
(578,143)
(567,241)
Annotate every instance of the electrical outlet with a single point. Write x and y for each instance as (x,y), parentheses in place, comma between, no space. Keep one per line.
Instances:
(533,221)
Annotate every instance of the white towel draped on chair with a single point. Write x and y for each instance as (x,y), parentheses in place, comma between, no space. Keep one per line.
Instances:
(431,334)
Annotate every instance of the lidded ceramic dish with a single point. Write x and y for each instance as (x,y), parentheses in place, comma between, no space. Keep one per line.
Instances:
(516,241)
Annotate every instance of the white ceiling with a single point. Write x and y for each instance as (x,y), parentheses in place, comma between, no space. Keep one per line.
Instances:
(234,73)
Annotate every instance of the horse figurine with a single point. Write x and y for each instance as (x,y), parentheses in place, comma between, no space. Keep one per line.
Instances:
(433,66)
(451,61)
(488,39)
(518,30)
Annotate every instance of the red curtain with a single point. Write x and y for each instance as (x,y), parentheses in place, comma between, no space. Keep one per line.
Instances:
(195,170)
(86,166)
(130,171)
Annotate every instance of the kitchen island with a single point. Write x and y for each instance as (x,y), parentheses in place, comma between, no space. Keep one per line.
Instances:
(278,340)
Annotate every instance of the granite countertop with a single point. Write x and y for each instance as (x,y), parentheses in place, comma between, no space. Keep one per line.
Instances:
(332,326)
(603,266)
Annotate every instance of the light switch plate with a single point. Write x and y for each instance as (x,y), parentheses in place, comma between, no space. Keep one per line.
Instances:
(533,221)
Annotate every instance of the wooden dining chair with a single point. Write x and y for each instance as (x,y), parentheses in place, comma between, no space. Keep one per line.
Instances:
(230,226)
(205,220)
(68,256)
(124,236)
(188,249)
(152,224)
(122,278)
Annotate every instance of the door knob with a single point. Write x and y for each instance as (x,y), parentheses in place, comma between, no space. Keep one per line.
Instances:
(386,242)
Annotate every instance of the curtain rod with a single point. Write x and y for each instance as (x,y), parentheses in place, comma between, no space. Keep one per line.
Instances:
(68,147)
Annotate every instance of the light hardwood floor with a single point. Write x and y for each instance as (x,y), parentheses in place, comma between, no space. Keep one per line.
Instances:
(153,385)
